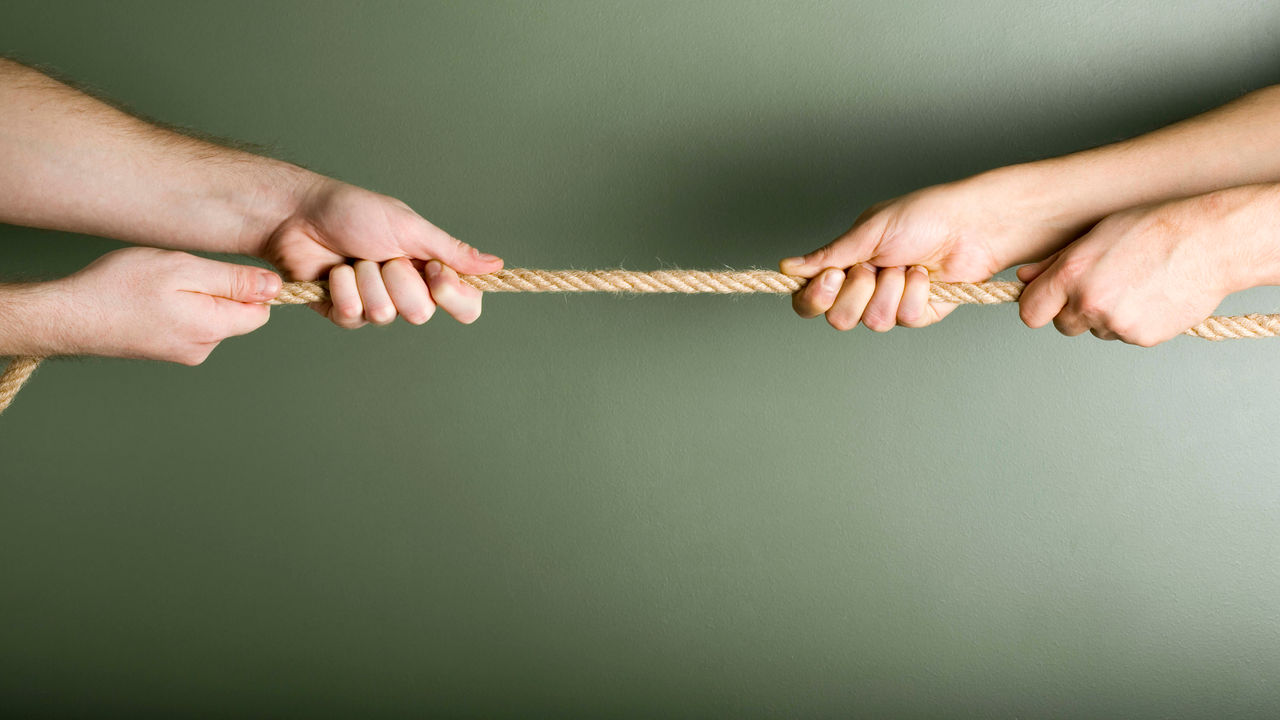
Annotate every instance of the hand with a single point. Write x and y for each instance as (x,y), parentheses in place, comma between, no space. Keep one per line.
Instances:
(159,305)
(394,247)
(878,272)
(1144,275)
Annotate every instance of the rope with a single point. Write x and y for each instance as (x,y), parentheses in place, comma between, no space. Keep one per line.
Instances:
(690,281)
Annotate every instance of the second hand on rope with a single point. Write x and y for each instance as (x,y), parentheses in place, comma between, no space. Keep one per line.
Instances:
(690,281)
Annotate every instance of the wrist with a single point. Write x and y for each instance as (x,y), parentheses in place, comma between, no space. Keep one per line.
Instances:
(263,197)
(1257,261)
(1040,198)
(37,319)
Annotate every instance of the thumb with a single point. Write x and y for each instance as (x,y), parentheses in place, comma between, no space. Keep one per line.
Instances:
(436,244)
(243,283)
(857,245)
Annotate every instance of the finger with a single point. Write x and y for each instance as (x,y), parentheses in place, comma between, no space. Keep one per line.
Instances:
(408,291)
(459,300)
(1070,323)
(1028,273)
(378,308)
(1042,300)
(434,243)
(913,310)
(346,308)
(1104,334)
(846,311)
(936,311)
(243,283)
(817,296)
(882,311)
(237,318)
(855,246)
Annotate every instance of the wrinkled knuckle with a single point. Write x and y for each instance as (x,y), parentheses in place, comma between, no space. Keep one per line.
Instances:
(841,321)
(1072,267)
(877,321)
(821,256)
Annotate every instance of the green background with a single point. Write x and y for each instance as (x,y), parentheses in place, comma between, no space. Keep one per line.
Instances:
(657,506)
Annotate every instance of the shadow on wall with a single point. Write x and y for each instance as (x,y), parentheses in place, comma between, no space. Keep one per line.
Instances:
(785,184)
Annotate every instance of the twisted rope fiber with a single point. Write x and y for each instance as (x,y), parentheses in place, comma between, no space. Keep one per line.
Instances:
(723,282)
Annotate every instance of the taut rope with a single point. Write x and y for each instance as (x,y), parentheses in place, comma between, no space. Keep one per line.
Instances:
(691,281)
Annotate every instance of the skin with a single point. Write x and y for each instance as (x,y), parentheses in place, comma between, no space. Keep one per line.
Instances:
(74,163)
(1144,275)
(877,273)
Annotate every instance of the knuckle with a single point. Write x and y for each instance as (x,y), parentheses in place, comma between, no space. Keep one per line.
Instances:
(381,315)
(841,321)
(821,255)
(1141,338)
(1072,267)
(347,312)
(1028,315)
(875,320)
(418,316)
(1093,306)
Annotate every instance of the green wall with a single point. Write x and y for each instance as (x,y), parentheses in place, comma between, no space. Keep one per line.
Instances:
(663,506)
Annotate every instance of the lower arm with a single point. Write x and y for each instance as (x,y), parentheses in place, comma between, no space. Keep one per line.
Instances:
(74,163)
(1236,144)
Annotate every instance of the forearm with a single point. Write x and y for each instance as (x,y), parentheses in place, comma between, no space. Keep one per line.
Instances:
(1236,144)
(74,163)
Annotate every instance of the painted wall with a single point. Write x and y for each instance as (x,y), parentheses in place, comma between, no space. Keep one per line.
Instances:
(663,506)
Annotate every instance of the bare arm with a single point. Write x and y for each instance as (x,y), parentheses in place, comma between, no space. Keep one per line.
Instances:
(877,273)
(71,162)
(75,163)
(1233,145)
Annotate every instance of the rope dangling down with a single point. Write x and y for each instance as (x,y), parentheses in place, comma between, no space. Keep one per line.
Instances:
(724,282)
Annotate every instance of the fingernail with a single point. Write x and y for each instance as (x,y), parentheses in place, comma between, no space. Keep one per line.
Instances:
(486,257)
(434,267)
(268,284)
(921,269)
(831,280)
(793,261)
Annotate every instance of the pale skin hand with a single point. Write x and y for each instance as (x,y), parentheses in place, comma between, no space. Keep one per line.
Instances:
(878,272)
(137,303)
(74,163)
(971,229)
(1144,275)
(335,221)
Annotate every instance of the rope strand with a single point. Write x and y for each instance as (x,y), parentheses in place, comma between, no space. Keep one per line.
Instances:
(723,282)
